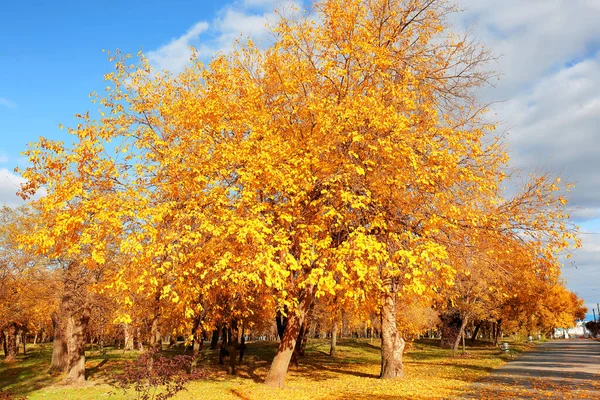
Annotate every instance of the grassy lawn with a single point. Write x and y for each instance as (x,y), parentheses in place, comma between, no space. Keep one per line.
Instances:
(430,373)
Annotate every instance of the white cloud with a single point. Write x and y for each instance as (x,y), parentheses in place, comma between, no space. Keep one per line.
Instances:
(7,103)
(9,185)
(239,20)
(557,125)
(532,37)
(175,55)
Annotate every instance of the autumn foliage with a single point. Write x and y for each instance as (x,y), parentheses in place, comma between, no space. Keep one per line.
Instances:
(347,164)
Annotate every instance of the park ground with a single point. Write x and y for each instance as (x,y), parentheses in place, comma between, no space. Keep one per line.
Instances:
(430,373)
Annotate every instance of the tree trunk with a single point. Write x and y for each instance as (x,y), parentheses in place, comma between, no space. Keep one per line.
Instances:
(461,333)
(392,345)
(233,347)
(24,341)
(334,331)
(242,345)
(475,332)
(296,355)
(497,332)
(197,345)
(127,338)
(3,340)
(76,327)
(12,348)
(214,343)
(155,335)
(60,357)
(223,351)
(281,362)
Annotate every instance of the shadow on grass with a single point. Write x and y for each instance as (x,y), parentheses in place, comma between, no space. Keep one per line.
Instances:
(28,372)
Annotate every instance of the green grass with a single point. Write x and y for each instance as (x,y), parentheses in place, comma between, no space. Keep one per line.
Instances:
(431,373)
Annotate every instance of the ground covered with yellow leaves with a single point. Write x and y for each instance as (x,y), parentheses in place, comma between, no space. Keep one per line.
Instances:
(430,373)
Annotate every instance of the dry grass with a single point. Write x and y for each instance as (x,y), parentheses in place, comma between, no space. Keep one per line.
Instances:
(431,373)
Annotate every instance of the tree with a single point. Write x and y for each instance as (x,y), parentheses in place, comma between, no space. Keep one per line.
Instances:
(347,159)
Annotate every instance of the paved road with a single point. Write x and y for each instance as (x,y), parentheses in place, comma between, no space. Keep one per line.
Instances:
(560,369)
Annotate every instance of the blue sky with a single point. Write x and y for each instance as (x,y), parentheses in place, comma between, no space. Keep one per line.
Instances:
(549,56)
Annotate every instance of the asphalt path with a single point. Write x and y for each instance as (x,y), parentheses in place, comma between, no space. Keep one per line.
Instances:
(559,369)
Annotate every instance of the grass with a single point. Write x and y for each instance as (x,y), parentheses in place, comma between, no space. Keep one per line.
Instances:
(430,373)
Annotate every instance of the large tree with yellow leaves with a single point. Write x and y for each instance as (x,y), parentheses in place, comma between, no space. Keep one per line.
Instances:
(349,159)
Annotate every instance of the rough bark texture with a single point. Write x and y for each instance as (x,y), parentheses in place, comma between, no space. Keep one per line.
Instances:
(12,348)
(76,327)
(334,331)
(392,344)
(296,355)
(281,362)
(59,345)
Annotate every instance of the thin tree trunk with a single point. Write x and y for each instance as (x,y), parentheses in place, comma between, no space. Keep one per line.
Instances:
(461,333)
(233,347)
(3,340)
(475,332)
(392,344)
(76,327)
(334,331)
(223,351)
(281,362)
(497,332)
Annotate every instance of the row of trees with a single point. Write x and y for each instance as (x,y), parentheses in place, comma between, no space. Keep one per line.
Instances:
(347,166)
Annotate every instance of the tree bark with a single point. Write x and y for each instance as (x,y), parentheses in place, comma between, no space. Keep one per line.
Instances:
(76,327)
(214,343)
(60,357)
(233,347)
(155,335)
(281,362)
(475,332)
(12,348)
(497,331)
(334,331)
(392,345)
(223,351)
(461,333)
(127,338)
(3,340)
